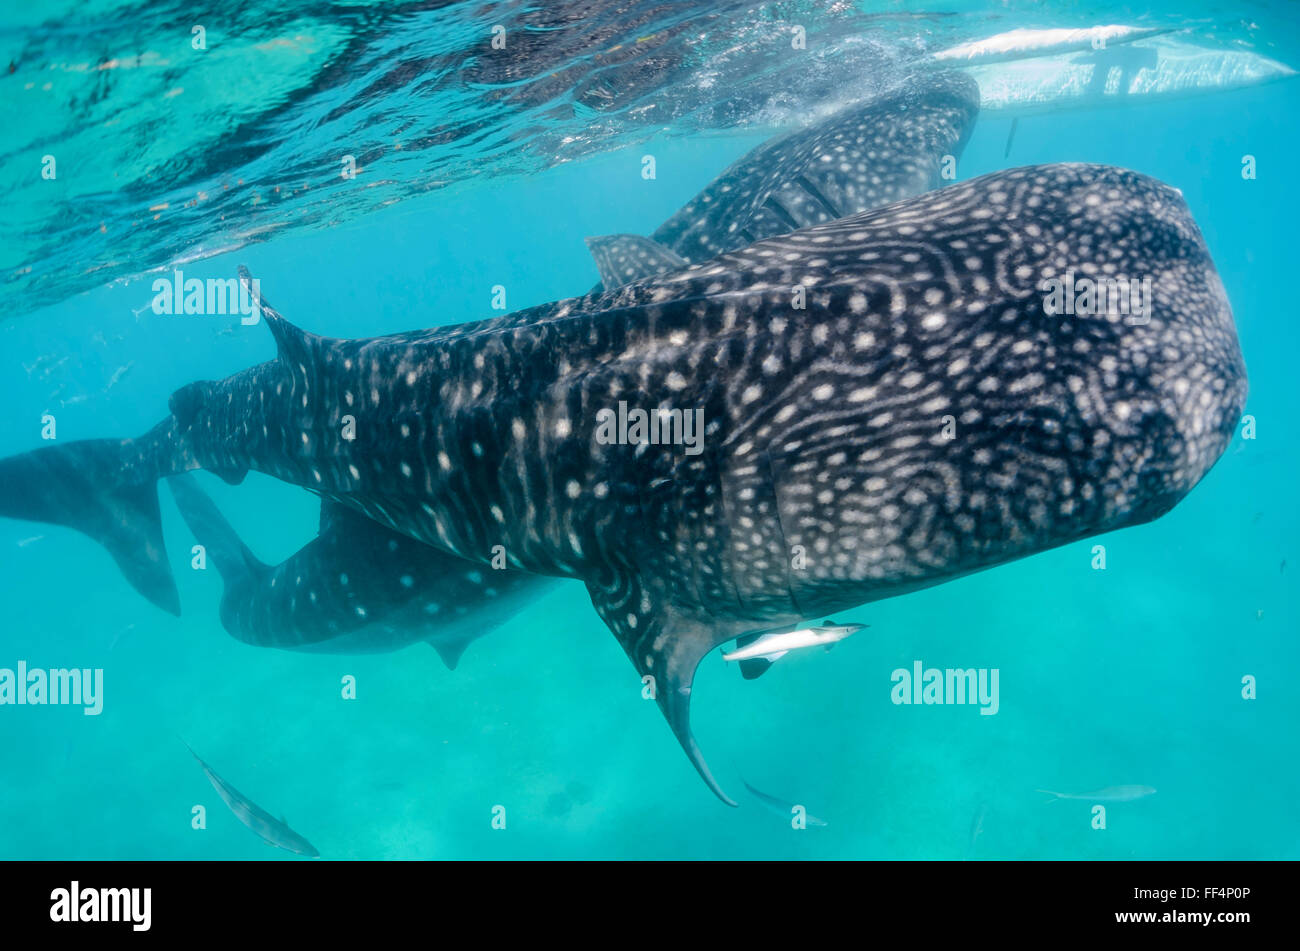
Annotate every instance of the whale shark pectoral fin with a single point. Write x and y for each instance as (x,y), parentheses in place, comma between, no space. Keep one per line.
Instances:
(94,486)
(235,563)
(667,646)
(624,258)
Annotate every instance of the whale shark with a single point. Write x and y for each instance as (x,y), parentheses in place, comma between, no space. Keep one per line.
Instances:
(889,404)
(889,147)
(893,145)
(369,589)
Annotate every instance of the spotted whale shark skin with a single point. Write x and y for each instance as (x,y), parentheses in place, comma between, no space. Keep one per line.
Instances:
(375,590)
(862,156)
(368,589)
(827,476)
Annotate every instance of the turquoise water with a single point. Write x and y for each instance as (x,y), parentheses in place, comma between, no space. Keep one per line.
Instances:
(1131,675)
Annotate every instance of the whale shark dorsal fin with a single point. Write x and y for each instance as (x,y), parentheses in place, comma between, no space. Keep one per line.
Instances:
(624,258)
(297,349)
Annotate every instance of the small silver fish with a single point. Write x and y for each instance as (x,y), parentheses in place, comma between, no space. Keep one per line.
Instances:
(274,831)
(118,374)
(1109,794)
(777,644)
(118,636)
(781,807)
(977,823)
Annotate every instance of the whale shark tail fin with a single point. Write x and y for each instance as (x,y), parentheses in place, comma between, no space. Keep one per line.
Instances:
(97,487)
(219,539)
(624,258)
(666,646)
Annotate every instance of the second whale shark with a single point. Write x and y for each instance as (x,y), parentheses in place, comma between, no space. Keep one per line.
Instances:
(890,147)
(357,588)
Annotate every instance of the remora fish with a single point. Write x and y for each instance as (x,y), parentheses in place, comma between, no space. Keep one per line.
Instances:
(827,426)
(1109,794)
(357,588)
(861,157)
(273,830)
(770,646)
(781,807)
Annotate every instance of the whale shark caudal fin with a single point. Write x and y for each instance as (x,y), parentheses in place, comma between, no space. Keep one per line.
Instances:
(228,552)
(624,258)
(93,486)
(107,488)
(666,646)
